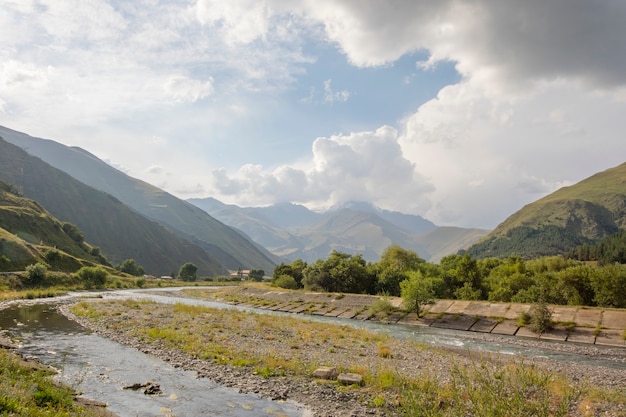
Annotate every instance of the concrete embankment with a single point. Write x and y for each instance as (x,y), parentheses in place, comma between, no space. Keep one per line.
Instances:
(575,324)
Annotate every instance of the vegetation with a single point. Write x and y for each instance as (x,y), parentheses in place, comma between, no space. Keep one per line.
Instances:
(131,267)
(256,275)
(611,249)
(417,292)
(485,386)
(92,276)
(27,389)
(401,272)
(188,272)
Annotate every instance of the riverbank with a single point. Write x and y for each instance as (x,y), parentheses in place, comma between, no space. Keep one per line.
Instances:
(576,324)
(275,359)
(27,389)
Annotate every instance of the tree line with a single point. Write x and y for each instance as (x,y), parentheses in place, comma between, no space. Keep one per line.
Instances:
(551,279)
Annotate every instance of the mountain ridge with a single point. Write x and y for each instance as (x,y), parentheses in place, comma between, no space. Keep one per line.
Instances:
(354,227)
(577,214)
(230,247)
(119,231)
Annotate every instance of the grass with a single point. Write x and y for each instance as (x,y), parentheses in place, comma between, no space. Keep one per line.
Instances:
(27,389)
(482,389)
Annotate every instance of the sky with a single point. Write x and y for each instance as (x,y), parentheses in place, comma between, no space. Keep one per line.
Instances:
(461,111)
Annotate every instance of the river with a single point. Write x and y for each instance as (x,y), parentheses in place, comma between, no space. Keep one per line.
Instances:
(100,368)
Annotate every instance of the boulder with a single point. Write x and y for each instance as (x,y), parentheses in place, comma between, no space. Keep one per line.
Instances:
(350,379)
(325,372)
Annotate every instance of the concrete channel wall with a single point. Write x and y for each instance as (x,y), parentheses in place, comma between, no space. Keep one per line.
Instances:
(572,323)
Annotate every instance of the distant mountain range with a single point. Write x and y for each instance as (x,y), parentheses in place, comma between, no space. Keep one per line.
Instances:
(582,213)
(128,218)
(295,232)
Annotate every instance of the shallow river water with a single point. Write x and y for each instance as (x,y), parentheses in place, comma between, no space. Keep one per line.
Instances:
(100,368)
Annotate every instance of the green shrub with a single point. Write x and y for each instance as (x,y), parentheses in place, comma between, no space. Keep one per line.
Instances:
(36,273)
(286,281)
(540,318)
(92,276)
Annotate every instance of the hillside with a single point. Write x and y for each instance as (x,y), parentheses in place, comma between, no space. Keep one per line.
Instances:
(571,216)
(28,234)
(229,247)
(295,232)
(118,231)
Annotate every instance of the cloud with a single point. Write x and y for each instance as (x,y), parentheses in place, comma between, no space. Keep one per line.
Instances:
(331,96)
(360,166)
(240,21)
(184,89)
(510,41)
(487,157)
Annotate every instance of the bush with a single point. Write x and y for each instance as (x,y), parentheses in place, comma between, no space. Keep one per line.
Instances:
(540,318)
(92,276)
(73,232)
(286,281)
(36,273)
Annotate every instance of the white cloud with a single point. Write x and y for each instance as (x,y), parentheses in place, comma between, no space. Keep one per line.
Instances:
(488,157)
(364,166)
(241,21)
(184,89)
(331,96)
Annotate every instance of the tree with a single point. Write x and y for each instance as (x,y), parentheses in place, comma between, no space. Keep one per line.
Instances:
(609,285)
(256,275)
(416,292)
(187,272)
(294,270)
(341,272)
(391,268)
(130,266)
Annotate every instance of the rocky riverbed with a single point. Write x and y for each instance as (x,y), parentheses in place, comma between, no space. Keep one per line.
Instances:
(324,398)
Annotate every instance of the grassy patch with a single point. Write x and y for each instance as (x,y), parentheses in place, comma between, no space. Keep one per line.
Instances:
(27,390)
(482,389)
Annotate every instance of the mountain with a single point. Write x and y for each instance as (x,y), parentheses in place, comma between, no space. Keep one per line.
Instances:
(118,231)
(571,216)
(28,234)
(294,232)
(228,246)
(409,222)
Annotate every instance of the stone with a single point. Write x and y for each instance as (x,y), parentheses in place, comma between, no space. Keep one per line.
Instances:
(325,372)
(350,379)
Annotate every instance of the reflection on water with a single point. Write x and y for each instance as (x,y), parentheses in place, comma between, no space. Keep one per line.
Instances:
(100,368)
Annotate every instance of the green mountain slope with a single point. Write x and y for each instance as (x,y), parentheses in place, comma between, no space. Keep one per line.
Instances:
(229,246)
(571,216)
(120,232)
(28,233)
